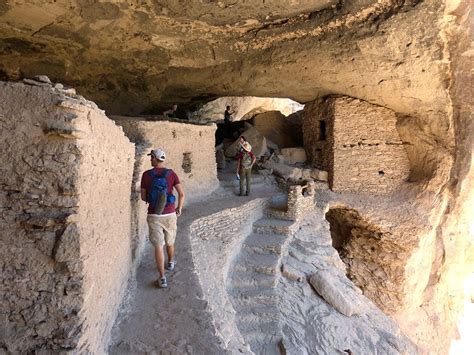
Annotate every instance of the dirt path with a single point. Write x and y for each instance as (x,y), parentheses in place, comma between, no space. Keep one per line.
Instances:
(174,319)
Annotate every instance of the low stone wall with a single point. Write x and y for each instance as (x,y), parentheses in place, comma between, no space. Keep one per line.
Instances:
(65,221)
(215,240)
(301,201)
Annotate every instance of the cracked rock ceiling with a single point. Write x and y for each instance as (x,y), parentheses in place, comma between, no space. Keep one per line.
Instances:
(138,56)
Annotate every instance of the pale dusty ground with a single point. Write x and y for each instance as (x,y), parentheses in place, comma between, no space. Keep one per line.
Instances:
(283,314)
(174,319)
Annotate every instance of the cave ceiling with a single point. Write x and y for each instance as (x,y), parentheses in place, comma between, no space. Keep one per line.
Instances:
(140,56)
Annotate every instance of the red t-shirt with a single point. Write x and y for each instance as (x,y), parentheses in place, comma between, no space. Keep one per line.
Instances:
(241,154)
(171,179)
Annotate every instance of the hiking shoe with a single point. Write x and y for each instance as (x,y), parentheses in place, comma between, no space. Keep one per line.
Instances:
(162,283)
(170,265)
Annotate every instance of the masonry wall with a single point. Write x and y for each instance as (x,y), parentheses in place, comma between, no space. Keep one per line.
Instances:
(368,154)
(65,167)
(362,151)
(318,149)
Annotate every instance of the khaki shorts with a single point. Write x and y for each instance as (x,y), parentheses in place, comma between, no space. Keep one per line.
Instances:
(162,229)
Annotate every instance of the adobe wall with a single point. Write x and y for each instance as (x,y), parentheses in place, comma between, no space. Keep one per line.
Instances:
(189,151)
(199,179)
(64,266)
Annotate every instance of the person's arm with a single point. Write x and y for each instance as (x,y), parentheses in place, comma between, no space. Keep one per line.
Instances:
(143,194)
(181,195)
(165,113)
(238,166)
(254,159)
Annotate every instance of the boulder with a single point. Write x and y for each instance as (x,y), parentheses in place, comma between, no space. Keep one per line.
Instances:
(319,175)
(253,136)
(339,295)
(294,155)
(274,126)
(285,171)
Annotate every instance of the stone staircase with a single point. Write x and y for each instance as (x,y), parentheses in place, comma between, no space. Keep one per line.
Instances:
(253,279)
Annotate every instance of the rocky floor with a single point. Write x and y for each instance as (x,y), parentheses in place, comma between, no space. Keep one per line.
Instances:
(273,305)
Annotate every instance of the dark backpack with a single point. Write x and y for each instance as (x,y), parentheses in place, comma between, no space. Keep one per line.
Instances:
(158,196)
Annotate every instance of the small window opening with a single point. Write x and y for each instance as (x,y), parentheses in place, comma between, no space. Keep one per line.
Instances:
(187,163)
(381,173)
(322,130)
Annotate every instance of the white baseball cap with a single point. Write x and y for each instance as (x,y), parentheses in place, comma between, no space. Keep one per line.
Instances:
(158,153)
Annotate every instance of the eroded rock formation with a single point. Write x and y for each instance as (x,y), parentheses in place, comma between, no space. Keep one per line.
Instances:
(412,58)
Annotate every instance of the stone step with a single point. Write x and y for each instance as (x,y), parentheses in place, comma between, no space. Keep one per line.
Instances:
(262,312)
(264,263)
(255,298)
(242,280)
(264,243)
(264,342)
(276,226)
(277,214)
(261,326)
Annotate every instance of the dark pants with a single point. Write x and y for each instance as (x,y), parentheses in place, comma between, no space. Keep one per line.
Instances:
(245,174)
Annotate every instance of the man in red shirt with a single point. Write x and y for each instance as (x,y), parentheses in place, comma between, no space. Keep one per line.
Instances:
(162,221)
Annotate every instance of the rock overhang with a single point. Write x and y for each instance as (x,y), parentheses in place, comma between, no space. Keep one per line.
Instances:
(134,57)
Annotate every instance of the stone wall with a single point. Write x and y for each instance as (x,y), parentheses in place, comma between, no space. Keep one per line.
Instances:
(317,149)
(300,201)
(368,153)
(362,149)
(65,167)
(215,239)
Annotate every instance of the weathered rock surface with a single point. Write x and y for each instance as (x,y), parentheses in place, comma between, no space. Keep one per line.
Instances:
(412,57)
(255,138)
(245,108)
(364,49)
(331,289)
(275,127)
(294,155)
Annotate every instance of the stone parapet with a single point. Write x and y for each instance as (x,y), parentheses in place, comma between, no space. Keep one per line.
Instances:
(215,240)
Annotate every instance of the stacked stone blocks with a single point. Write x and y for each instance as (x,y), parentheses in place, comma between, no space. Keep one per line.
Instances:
(301,201)
(362,152)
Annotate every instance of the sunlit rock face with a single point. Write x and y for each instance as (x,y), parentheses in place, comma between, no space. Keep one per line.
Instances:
(412,57)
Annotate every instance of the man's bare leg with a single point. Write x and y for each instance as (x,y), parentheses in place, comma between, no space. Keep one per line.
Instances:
(170,252)
(160,261)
